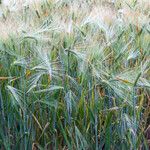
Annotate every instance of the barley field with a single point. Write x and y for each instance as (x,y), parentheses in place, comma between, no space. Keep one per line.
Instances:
(74,74)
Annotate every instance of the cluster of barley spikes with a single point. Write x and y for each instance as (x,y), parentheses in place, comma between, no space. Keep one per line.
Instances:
(74,75)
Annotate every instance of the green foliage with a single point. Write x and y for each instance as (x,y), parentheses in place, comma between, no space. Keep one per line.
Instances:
(68,81)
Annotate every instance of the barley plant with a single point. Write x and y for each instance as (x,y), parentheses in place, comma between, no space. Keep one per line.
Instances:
(74,75)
